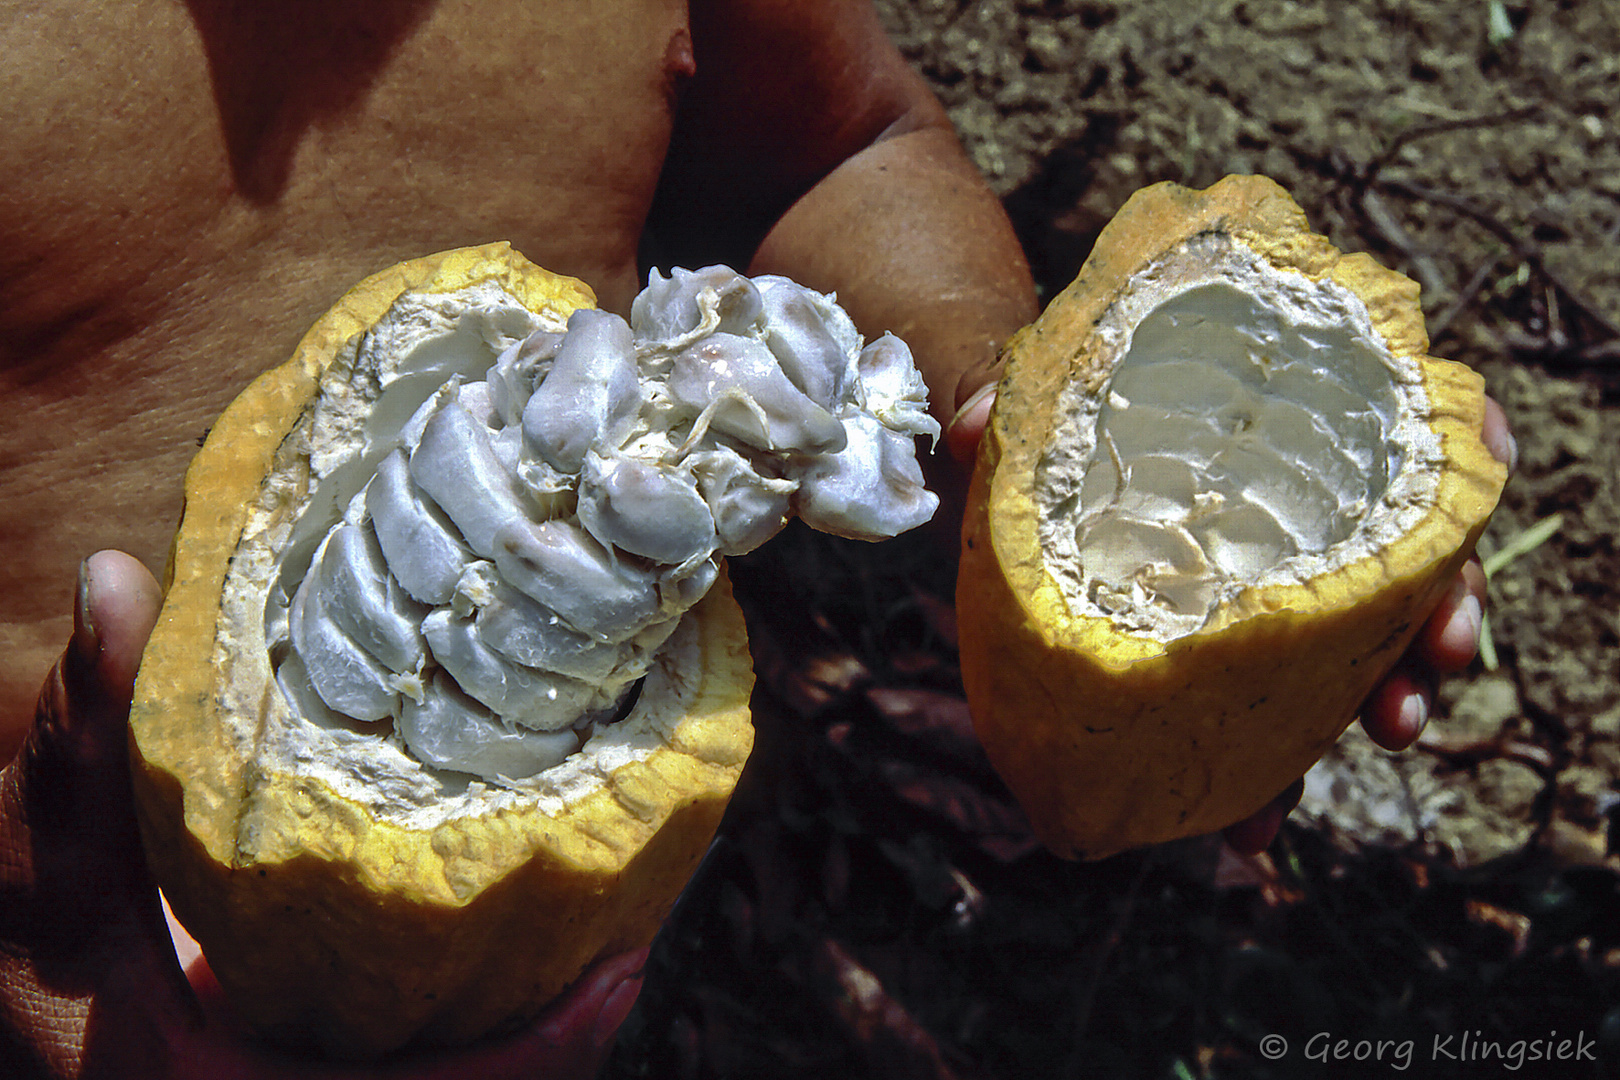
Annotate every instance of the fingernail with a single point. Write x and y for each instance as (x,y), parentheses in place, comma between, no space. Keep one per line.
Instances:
(976,399)
(1505,448)
(1414,714)
(86,636)
(1472,614)
(614,1011)
(623,974)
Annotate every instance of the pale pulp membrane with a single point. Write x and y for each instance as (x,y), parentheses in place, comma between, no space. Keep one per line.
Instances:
(475,554)
(1246,426)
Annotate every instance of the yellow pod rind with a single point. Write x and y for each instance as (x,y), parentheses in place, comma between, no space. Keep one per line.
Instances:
(1112,739)
(329,927)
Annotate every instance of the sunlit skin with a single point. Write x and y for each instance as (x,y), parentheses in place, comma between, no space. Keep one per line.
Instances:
(185,185)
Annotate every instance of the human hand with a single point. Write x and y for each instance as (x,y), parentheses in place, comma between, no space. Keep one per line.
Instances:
(89,980)
(1396,711)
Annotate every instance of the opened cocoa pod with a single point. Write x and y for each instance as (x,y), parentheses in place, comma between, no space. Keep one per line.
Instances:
(1222,487)
(448,693)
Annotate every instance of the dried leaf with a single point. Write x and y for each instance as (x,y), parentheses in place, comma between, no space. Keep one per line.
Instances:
(995,825)
(941,719)
(878,1021)
(1258,872)
(1515,924)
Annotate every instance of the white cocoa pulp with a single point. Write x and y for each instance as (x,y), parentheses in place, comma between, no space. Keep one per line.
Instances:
(1247,426)
(485,531)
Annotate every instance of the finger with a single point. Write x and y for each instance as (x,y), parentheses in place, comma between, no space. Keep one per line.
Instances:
(1497,435)
(1450,638)
(1254,834)
(1398,710)
(987,371)
(80,754)
(962,434)
(597,1004)
(572,1040)
(83,904)
(120,601)
(80,720)
(73,770)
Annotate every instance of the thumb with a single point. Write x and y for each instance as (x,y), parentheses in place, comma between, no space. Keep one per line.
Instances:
(76,894)
(79,724)
(71,781)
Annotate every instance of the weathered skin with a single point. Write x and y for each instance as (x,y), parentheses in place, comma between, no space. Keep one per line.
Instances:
(183,191)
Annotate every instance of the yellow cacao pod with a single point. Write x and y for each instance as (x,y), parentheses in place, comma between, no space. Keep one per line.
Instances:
(344,896)
(1221,488)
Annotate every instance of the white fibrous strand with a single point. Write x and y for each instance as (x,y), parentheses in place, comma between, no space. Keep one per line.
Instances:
(502,563)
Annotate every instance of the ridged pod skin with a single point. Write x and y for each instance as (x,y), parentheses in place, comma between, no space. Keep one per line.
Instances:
(1112,739)
(329,927)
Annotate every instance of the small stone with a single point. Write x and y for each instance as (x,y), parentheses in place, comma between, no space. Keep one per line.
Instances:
(1046,48)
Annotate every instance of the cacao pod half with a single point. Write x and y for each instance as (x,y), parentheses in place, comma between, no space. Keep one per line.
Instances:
(345,896)
(1222,486)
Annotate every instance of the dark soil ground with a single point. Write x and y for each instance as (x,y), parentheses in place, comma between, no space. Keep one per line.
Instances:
(875,908)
